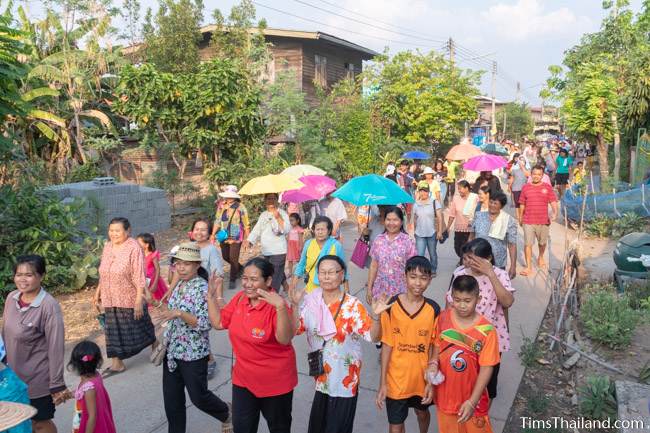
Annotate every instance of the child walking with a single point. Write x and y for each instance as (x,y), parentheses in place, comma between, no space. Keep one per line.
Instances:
(408,331)
(157,286)
(465,352)
(93,413)
(295,241)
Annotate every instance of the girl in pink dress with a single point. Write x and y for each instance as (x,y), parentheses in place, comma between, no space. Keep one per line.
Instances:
(93,413)
(157,286)
(294,241)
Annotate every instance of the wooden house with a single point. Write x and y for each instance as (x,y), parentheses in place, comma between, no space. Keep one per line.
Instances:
(315,57)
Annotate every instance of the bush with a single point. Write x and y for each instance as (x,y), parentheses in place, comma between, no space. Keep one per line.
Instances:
(598,398)
(609,319)
(36,222)
(530,352)
(603,226)
(85,172)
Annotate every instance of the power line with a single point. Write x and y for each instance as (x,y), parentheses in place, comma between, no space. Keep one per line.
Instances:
(340,28)
(374,19)
(366,23)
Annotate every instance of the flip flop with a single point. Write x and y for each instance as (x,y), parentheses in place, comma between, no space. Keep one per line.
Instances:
(525,273)
(108,372)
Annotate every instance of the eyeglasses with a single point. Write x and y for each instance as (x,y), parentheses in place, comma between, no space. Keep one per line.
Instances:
(329,273)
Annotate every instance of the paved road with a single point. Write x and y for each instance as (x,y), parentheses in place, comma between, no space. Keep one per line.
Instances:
(137,394)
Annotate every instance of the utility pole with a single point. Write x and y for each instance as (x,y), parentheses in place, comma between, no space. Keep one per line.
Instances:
(493,130)
(505,119)
(452,51)
(518,92)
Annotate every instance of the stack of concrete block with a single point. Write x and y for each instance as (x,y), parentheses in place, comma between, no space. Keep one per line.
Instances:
(146,208)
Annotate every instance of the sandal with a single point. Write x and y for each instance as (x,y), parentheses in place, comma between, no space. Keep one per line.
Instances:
(108,372)
(226,426)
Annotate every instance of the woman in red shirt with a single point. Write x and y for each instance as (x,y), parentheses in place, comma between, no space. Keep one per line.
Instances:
(260,328)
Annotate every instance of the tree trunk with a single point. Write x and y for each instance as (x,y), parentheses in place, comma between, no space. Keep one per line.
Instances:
(603,163)
(617,148)
(78,137)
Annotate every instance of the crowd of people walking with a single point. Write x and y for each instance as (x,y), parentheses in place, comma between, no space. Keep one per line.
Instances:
(430,354)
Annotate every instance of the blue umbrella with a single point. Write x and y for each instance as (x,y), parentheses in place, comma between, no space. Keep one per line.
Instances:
(416,154)
(372,189)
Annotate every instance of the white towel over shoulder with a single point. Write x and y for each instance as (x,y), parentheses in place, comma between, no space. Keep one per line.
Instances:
(499,227)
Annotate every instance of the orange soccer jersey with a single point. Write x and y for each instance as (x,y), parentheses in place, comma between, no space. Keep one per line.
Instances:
(410,336)
(462,353)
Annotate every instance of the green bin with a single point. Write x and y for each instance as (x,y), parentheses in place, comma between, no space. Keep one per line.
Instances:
(632,245)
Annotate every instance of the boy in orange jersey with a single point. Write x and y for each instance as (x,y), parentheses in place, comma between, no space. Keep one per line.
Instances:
(407,335)
(465,350)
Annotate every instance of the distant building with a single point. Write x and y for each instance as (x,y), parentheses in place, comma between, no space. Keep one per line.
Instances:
(547,121)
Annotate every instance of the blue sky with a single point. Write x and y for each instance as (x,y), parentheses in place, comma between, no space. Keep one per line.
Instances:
(524,37)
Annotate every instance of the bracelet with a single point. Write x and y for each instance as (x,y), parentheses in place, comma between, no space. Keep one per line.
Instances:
(219,298)
(433,362)
(375,318)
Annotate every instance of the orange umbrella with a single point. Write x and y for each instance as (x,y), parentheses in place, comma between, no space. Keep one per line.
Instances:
(463,151)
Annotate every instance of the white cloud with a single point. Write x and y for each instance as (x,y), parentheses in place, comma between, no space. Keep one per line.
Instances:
(527,18)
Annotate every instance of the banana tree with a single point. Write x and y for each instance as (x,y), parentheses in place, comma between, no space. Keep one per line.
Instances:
(74,79)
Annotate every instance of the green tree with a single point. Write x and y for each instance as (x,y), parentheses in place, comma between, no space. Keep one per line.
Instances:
(423,98)
(589,100)
(131,15)
(172,43)
(518,121)
(12,72)
(209,114)
(239,37)
(622,40)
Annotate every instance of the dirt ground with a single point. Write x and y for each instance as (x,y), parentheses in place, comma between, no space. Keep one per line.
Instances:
(549,390)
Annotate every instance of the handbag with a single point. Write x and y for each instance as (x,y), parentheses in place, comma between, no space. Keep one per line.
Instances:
(223,234)
(360,253)
(315,358)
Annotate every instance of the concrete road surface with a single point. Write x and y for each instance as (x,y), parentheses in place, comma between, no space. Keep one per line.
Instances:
(137,394)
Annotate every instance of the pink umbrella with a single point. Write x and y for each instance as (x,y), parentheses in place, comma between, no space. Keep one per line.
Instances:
(316,187)
(485,162)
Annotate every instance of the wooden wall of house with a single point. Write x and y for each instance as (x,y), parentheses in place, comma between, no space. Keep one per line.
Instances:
(287,55)
(336,56)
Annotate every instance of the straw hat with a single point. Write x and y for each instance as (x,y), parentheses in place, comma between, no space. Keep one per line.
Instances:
(230,191)
(12,414)
(188,252)
(427,170)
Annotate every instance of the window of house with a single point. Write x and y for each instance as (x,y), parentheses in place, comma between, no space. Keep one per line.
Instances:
(320,74)
(349,71)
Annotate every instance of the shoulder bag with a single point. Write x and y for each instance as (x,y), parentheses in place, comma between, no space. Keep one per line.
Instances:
(315,358)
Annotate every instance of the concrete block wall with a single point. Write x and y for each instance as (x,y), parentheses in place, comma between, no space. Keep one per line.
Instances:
(146,208)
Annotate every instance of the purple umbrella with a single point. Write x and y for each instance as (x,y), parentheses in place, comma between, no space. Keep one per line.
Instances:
(316,187)
(485,162)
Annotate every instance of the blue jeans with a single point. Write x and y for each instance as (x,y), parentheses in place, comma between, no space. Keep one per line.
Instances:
(443,193)
(422,244)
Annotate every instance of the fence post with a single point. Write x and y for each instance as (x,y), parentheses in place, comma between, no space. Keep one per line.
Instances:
(593,191)
(643,199)
(614,198)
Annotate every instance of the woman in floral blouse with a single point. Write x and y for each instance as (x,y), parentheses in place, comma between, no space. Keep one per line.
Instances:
(389,253)
(186,363)
(335,322)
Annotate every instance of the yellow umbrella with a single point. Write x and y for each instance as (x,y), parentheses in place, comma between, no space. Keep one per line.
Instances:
(271,183)
(301,170)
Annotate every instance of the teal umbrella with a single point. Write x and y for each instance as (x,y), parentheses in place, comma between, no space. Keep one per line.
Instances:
(494,149)
(372,189)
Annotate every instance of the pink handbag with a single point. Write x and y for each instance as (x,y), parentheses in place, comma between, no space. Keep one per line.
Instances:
(360,253)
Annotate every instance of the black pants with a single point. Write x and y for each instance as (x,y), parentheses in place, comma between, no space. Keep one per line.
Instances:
(193,376)
(460,239)
(279,277)
(246,410)
(230,254)
(332,414)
